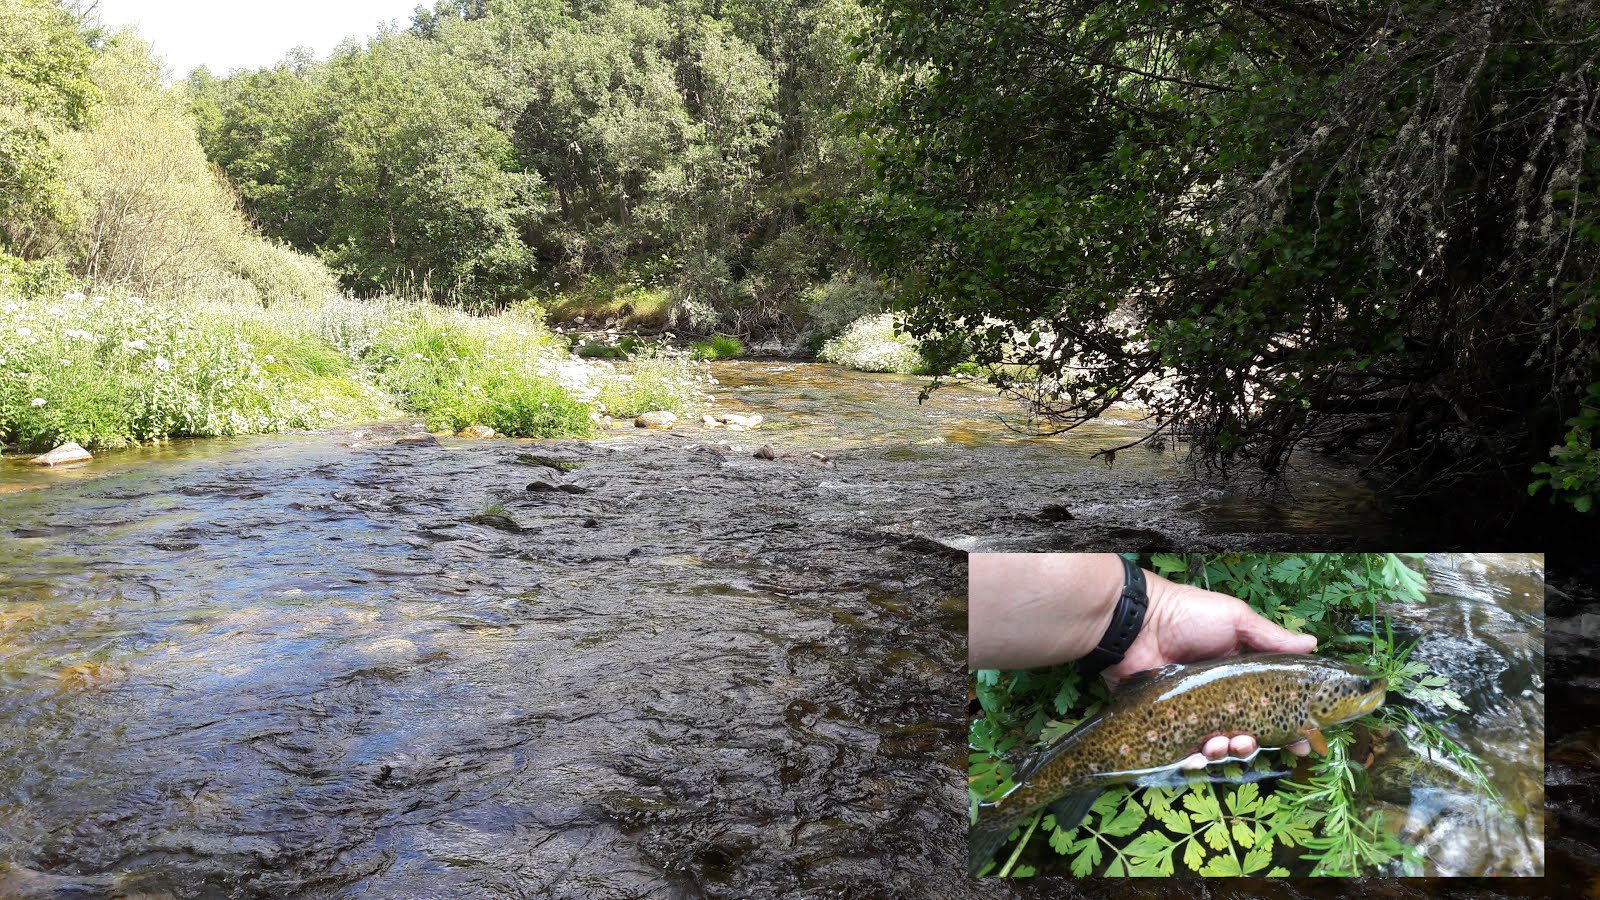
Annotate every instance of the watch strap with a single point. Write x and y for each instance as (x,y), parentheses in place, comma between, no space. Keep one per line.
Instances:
(1126,622)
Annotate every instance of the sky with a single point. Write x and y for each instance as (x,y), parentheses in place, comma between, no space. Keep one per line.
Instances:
(226,34)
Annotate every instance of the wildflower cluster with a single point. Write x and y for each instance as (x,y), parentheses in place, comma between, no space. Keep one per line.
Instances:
(875,344)
(108,372)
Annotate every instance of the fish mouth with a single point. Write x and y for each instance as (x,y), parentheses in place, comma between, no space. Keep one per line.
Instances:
(1372,699)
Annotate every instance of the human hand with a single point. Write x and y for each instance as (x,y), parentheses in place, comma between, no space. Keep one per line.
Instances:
(1185,624)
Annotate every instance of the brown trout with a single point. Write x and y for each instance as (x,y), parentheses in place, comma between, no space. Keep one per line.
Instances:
(1158,718)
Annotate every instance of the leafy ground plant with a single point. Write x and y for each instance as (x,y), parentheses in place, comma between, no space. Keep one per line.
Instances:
(1244,819)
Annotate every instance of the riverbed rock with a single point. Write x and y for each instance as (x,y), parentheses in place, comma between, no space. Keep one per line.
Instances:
(547,485)
(814,458)
(1055,512)
(732,421)
(423,438)
(656,419)
(476,432)
(63,455)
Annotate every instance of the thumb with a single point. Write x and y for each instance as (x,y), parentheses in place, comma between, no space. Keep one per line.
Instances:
(1260,633)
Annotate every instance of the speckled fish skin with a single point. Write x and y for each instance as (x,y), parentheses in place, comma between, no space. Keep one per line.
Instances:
(1160,718)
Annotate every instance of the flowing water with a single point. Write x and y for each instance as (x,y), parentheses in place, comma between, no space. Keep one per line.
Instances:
(329,664)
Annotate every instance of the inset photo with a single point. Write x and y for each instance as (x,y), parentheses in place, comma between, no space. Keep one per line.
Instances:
(1263,714)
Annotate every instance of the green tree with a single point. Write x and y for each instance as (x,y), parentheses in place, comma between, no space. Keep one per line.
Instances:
(44,86)
(386,161)
(1360,227)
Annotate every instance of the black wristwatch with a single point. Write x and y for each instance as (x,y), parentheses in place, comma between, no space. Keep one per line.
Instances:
(1125,622)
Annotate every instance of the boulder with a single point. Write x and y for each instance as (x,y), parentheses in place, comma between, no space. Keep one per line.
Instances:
(423,438)
(766,452)
(746,422)
(63,455)
(476,432)
(657,419)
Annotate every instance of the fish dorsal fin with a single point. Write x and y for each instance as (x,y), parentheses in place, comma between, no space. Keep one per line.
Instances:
(1149,675)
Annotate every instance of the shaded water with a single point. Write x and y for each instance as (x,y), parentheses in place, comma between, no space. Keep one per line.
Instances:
(326,664)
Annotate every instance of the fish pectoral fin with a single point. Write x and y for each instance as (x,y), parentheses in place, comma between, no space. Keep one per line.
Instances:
(1070,810)
(1318,742)
(1148,675)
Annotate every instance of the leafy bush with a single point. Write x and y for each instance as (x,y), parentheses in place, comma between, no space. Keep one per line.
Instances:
(845,298)
(718,347)
(1573,474)
(875,344)
(657,379)
(1215,829)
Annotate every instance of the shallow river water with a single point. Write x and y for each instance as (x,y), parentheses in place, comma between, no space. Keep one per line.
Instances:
(329,664)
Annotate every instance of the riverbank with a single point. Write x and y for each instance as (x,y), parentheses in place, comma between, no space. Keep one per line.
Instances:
(110,372)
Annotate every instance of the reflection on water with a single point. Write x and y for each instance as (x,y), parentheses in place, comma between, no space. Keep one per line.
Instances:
(326,664)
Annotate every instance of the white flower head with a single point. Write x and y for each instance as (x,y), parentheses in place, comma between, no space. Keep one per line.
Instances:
(162,364)
(39,401)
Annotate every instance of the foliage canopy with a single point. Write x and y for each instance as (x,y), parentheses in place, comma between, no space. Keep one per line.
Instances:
(1345,225)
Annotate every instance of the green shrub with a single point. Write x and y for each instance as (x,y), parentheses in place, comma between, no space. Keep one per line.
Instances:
(846,298)
(659,379)
(875,344)
(718,346)
(600,350)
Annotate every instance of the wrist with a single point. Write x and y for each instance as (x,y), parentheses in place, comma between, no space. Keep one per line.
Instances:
(1126,622)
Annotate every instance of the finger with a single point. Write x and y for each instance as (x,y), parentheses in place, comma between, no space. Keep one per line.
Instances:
(1300,748)
(1216,747)
(1259,633)
(1193,761)
(1242,745)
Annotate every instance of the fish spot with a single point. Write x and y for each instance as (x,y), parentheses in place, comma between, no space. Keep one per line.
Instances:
(1193,718)
(1265,700)
(1094,767)
(1233,707)
(1151,735)
(1124,750)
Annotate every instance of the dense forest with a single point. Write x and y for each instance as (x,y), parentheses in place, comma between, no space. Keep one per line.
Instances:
(1362,228)
(493,149)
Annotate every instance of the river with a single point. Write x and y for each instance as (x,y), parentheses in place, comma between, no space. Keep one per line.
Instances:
(327,664)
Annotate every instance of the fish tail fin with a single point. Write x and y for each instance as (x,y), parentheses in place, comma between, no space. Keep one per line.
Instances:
(989,833)
(984,840)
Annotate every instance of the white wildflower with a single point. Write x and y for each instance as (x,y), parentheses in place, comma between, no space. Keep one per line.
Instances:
(162,364)
(270,358)
(39,401)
